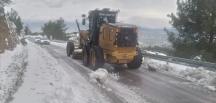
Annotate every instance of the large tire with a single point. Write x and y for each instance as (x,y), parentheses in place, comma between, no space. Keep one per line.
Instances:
(96,58)
(70,48)
(85,55)
(137,62)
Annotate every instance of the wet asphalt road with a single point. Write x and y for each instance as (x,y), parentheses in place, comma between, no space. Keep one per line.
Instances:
(155,87)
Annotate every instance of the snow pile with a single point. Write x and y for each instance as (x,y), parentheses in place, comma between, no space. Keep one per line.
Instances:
(12,67)
(100,76)
(155,65)
(199,75)
(166,66)
(63,45)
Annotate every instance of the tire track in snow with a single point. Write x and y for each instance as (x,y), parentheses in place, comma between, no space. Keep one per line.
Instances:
(119,93)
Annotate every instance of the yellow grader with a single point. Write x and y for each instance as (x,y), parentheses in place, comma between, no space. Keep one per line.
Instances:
(107,41)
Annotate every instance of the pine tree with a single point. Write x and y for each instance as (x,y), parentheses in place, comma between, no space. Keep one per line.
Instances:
(16,19)
(56,29)
(27,31)
(195,23)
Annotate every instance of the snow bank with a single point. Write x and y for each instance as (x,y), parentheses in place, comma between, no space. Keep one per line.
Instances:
(199,75)
(12,67)
(154,53)
(63,44)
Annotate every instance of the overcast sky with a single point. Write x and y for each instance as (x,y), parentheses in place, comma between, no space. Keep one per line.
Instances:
(145,13)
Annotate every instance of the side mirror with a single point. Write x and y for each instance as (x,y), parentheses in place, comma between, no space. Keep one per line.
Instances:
(83,19)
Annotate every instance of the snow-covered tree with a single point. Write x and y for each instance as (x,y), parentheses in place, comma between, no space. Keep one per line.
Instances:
(4,2)
(16,19)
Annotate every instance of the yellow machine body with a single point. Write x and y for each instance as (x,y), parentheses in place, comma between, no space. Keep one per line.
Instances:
(107,41)
(112,52)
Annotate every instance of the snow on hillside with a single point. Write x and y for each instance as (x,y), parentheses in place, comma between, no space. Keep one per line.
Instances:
(199,75)
(12,66)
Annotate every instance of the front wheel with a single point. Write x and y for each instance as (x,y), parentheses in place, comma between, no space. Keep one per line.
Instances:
(96,58)
(137,62)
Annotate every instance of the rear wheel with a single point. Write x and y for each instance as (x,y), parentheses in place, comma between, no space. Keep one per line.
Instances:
(70,48)
(137,62)
(96,58)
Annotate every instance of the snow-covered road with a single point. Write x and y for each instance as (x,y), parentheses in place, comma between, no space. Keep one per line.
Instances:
(52,77)
(155,87)
(52,80)
(48,81)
